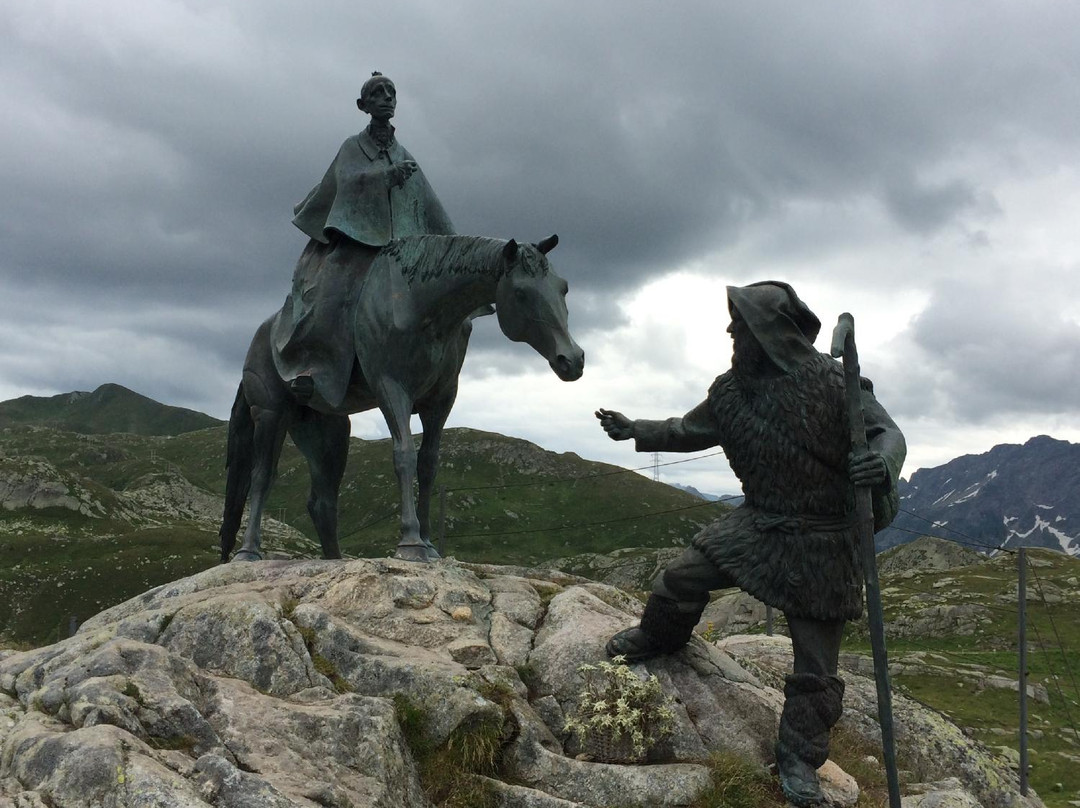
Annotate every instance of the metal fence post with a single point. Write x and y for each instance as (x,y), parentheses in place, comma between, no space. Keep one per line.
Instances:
(442,520)
(1021,593)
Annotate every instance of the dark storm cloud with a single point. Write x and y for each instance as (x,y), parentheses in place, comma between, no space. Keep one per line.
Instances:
(152,153)
(985,347)
(926,210)
(642,142)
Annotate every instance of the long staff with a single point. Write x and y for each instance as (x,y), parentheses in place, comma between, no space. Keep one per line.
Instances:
(843,344)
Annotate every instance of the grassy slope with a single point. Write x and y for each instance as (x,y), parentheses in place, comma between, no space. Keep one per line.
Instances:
(109,408)
(56,562)
(992,714)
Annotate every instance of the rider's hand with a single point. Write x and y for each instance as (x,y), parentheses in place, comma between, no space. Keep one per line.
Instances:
(400,172)
(868,468)
(617,425)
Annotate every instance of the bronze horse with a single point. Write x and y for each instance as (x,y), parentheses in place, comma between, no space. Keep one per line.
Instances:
(410,329)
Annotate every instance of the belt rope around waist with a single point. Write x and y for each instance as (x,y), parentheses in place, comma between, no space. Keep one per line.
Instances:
(803,523)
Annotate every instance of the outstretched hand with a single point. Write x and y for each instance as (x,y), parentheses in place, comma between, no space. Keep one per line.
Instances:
(867,468)
(617,425)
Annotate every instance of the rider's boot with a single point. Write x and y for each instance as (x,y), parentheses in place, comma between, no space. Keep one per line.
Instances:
(302,388)
(665,628)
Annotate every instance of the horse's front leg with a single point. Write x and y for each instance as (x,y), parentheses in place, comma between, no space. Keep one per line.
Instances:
(433,416)
(396,407)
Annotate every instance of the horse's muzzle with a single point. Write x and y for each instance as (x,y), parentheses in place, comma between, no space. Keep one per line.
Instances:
(569,367)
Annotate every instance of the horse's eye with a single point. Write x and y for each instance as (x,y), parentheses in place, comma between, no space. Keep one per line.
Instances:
(520,295)
(565,288)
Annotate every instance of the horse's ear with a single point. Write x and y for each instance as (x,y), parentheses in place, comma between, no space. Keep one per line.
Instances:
(548,244)
(510,250)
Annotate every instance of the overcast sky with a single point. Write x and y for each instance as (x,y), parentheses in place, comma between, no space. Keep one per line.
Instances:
(914,163)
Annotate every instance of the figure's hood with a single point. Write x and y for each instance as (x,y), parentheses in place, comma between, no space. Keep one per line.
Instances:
(779,320)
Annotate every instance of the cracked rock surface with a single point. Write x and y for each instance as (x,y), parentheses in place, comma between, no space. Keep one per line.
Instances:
(273,684)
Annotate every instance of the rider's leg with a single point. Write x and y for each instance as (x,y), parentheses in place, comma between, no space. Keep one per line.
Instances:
(324,442)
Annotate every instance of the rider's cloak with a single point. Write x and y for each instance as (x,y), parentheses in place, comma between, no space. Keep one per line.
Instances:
(355,198)
(349,216)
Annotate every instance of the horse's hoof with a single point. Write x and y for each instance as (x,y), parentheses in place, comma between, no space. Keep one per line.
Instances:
(412,552)
(432,553)
(247,555)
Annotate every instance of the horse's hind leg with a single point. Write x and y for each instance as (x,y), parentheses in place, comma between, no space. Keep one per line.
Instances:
(324,441)
(269,434)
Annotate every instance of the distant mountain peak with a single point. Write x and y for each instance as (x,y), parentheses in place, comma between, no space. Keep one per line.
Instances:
(1013,495)
(109,408)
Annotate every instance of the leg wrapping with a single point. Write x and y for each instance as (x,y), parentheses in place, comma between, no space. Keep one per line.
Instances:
(812,705)
(667,626)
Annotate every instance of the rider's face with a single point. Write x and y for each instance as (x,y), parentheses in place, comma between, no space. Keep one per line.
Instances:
(381,101)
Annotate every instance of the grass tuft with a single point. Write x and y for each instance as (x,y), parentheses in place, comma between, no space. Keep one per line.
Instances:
(739,783)
(452,774)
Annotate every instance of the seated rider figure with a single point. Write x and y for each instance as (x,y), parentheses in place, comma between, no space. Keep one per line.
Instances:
(372,193)
(780,416)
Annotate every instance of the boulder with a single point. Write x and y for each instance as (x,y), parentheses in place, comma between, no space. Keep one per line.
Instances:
(328,683)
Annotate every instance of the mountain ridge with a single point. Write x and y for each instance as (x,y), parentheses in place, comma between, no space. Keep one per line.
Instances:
(1013,495)
(109,408)
(88,519)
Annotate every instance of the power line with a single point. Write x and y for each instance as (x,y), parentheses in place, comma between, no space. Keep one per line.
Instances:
(974,543)
(365,526)
(1053,625)
(1054,678)
(951,530)
(559,528)
(554,480)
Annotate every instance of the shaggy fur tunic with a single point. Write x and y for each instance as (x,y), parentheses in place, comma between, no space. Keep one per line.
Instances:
(793,543)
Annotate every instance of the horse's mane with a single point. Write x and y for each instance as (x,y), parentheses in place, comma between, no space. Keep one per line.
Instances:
(423,258)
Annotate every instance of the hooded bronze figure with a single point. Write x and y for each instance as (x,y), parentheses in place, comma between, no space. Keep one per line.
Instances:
(780,416)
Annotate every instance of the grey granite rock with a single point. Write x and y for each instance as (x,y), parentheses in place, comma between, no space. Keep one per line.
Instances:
(279,684)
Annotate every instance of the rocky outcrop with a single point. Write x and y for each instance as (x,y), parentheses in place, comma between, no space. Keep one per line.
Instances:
(631,568)
(926,554)
(32,483)
(322,683)
(734,612)
(938,756)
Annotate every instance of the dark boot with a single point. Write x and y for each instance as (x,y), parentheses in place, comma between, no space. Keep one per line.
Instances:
(812,705)
(664,629)
(302,388)
(798,779)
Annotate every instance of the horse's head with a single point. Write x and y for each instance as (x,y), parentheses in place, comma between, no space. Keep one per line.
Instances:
(530,302)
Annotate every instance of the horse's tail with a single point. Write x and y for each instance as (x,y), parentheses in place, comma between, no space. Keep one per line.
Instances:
(238,463)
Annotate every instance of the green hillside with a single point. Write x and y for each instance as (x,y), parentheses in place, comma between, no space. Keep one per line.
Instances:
(110,408)
(952,638)
(88,520)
